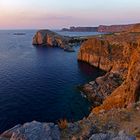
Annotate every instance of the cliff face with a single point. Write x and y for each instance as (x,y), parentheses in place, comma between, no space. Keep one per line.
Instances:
(129,91)
(47,37)
(118,54)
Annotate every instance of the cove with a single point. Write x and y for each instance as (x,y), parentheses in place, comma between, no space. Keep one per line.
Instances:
(40,83)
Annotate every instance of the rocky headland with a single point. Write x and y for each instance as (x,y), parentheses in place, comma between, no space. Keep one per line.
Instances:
(115,96)
(49,38)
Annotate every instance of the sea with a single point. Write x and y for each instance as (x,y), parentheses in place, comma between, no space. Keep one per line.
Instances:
(40,83)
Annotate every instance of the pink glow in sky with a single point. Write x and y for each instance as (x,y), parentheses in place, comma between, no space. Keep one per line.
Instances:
(32,14)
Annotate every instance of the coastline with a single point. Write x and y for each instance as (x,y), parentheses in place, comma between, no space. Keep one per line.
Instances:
(124,106)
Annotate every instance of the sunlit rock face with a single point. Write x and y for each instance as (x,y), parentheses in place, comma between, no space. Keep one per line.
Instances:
(106,54)
(38,39)
(50,38)
(117,54)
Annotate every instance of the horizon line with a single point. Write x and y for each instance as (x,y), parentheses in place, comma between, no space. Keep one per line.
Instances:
(67,27)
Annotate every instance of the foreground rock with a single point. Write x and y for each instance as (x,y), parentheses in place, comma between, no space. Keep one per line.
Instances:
(115,124)
(33,131)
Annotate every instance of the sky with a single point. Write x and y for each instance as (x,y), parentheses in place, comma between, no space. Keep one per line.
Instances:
(56,14)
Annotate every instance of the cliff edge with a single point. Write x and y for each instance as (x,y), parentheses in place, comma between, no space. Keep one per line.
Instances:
(118,54)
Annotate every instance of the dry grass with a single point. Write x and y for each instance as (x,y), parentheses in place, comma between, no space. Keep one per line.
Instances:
(62,123)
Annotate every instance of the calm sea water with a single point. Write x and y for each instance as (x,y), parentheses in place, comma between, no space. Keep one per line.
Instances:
(39,83)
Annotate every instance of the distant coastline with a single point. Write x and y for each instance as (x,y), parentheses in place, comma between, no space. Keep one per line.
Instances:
(100,28)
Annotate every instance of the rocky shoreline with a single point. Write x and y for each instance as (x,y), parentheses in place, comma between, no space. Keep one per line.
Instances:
(97,91)
(115,96)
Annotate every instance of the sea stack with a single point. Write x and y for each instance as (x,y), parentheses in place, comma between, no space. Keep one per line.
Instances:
(49,38)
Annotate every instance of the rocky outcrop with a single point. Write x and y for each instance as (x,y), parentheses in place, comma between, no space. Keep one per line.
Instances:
(32,131)
(50,38)
(97,91)
(118,54)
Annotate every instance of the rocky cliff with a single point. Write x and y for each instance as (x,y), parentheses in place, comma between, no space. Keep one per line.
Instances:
(119,54)
(32,131)
(52,39)
(129,92)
